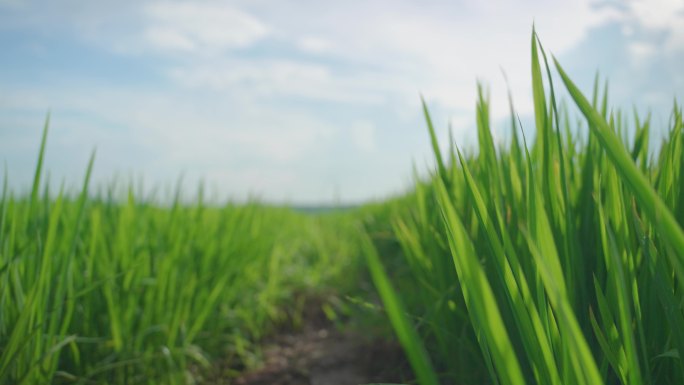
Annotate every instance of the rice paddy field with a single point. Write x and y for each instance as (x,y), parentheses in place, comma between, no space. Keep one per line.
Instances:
(553,259)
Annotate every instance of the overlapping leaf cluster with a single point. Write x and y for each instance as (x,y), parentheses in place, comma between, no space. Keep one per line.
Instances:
(563,257)
(94,289)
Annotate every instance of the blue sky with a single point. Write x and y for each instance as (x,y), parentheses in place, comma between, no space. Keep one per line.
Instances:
(298,101)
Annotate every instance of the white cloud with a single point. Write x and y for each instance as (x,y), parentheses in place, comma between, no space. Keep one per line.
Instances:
(490,36)
(314,44)
(657,13)
(436,48)
(282,78)
(273,76)
(641,50)
(363,135)
(653,19)
(200,26)
(169,38)
(388,47)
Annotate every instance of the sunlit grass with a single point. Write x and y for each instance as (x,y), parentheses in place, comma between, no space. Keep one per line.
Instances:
(95,289)
(564,259)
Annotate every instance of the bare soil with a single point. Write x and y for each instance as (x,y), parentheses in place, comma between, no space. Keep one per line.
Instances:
(320,353)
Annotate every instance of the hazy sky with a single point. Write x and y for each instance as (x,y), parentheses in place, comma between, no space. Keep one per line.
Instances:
(298,101)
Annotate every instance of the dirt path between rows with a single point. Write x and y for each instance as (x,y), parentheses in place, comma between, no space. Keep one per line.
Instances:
(319,353)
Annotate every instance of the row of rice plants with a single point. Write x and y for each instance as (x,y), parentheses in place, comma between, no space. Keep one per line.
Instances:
(96,289)
(561,264)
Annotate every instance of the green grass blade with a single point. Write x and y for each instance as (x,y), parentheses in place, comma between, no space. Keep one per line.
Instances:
(517,288)
(652,204)
(479,297)
(418,357)
(435,145)
(39,166)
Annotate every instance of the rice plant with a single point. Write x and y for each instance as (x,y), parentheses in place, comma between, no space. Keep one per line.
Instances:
(562,258)
(99,288)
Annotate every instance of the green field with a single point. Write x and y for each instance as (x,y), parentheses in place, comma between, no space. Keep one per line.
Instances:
(557,259)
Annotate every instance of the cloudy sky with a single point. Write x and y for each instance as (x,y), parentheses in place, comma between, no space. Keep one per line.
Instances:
(298,101)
